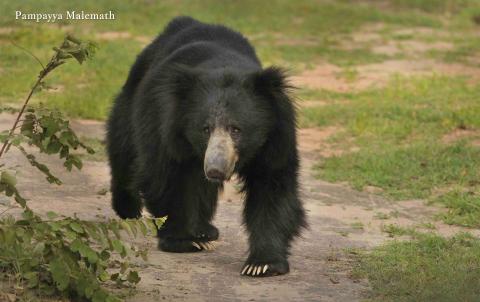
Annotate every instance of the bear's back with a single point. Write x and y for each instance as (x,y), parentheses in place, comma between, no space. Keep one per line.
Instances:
(182,32)
(188,41)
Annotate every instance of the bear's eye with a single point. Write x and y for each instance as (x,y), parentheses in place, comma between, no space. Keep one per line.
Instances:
(235,130)
(206,129)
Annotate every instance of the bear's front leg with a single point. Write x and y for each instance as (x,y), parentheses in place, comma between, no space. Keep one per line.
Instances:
(273,215)
(191,201)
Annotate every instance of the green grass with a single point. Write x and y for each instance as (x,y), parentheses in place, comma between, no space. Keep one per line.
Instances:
(406,173)
(433,6)
(408,109)
(464,207)
(88,92)
(394,231)
(398,131)
(428,268)
(357,225)
(299,18)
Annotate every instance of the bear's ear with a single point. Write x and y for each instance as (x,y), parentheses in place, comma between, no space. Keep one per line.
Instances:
(271,82)
(272,86)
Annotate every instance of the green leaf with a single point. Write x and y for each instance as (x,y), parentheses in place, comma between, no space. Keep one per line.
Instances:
(126,226)
(70,235)
(49,125)
(77,227)
(113,299)
(104,276)
(151,225)
(21,201)
(8,178)
(60,273)
(32,279)
(99,296)
(55,226)
(51,215)
(89,290)
(118,245)
(133,277)
(53,147)
(28,214)
(143,227)
(76,245)
(39,248)
(91,255)
(81,285)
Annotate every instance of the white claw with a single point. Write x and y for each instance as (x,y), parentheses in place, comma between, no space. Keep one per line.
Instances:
(244,269)
(249,270)
(257,271)
(196,245)
(265,268)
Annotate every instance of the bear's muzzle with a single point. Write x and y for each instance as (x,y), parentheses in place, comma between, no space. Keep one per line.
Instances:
(220,157)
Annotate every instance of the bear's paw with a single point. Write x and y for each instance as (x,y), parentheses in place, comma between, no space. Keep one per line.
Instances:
(207,245)
(265,269)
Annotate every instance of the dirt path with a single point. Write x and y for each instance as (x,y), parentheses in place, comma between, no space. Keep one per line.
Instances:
(339,218)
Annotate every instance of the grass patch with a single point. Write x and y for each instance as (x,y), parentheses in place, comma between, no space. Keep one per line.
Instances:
(408,172)
(398,132)
(408,109)
(394,230)
(357,225)
(434,6)
(429,268)
(250,16)
(464,208)
(265,23)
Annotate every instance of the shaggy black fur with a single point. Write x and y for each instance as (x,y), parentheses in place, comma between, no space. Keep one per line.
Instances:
(191,79)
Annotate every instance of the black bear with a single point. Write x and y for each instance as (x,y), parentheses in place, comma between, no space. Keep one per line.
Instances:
(196,108)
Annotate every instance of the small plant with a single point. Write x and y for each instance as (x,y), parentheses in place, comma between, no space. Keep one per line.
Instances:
(381,215)
(60,255)
(357,225)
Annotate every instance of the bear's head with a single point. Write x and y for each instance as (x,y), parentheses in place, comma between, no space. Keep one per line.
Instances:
(229,118)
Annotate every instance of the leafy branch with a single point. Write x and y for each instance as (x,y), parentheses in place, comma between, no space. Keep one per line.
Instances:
(70,48)
(61,255)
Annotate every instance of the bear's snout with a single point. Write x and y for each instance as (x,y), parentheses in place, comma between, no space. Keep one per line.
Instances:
(220,157)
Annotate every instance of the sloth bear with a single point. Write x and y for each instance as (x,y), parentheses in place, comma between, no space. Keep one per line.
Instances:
(196,108)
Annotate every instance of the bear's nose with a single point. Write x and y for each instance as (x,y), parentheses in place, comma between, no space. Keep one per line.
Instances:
(215,174)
